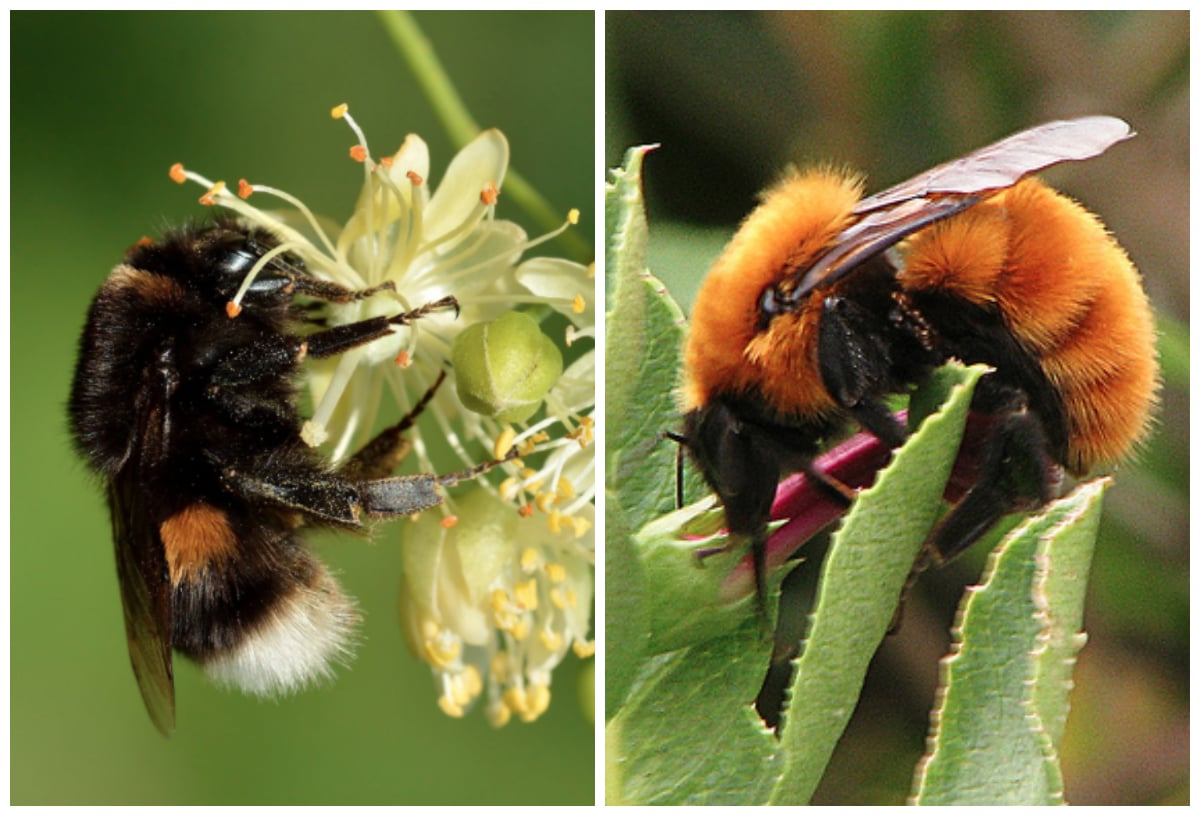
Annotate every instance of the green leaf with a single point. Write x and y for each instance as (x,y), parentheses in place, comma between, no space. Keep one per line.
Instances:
(1004,699)
(644,335)
(861,582)
(689,734)
(689,601)
(626,628)
(682,726)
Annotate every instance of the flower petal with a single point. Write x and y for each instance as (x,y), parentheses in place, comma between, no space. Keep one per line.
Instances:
(456,202)
(564,284)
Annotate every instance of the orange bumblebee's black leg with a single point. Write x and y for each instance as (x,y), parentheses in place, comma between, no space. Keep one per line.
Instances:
(1016,472)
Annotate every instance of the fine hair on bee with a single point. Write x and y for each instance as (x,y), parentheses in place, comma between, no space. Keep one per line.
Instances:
(825,302)
(185,405)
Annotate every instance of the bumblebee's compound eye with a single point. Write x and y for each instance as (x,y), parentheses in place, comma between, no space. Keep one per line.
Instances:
(237,261)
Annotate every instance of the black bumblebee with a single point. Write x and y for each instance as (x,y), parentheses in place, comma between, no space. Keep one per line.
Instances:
(188,410)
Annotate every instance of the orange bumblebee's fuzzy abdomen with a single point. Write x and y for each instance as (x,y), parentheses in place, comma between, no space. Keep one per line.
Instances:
(1070,296)
(724,353)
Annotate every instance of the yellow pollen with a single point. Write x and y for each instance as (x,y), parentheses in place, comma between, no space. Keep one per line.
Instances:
(537,700)
(525,594)
(554,521)
(571,597)
(177,174)
(558,597)
(339,111)
(504,442)
(591,272)
(552,641)
(543,501)
(429,628)
(514,698)
(520,629)
(210,198)
(499,714)
(505,621)
(573,216)
(565,489)
(509,488)
(449,707)
(499,667)
(578,304)
(313,433)
(529,560)
(442,652)
(526,447)
(582,525)
(358,153)
(464,687)
(556,572)
(472,681)
(584,649)
(499,600)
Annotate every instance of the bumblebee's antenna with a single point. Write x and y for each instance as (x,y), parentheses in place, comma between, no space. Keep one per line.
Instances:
(683,443)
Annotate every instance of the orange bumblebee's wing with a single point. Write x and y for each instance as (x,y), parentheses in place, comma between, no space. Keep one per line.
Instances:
(888,217)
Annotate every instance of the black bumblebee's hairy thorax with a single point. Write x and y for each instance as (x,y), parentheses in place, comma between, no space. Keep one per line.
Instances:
(186,406)
(170,395)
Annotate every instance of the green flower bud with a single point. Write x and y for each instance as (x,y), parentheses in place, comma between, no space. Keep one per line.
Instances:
(505,368)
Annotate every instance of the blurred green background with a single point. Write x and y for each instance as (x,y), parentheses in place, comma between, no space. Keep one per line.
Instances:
(734,97)
(102,105)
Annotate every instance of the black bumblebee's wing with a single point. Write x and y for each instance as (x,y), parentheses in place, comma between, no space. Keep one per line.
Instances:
(146,598)
(897,212)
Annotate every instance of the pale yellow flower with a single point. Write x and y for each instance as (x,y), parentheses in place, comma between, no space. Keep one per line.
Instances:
(432,244)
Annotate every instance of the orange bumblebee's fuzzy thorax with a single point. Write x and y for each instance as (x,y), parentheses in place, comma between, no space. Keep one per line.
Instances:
(797,218)
(1068,293)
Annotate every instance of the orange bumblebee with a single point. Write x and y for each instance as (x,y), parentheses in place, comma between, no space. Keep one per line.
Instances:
(825,302)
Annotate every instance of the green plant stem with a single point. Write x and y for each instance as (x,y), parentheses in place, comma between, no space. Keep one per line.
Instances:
(461,127)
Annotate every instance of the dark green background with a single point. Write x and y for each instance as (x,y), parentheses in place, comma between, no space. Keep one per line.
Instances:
(102,105)
(731,98)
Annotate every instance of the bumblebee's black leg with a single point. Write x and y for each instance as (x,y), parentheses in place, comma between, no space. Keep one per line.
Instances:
(336,499)
(405,495)
(281,277)
(333,293)
(855,361)
(383,454)
(1016,473)
(833,488)
(338,339)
